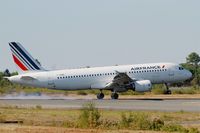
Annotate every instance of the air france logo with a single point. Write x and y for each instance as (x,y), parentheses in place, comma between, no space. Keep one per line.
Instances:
(148,67)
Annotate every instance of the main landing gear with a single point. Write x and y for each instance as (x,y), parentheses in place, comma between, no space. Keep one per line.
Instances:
(168,91)
(114,95)
(100,95)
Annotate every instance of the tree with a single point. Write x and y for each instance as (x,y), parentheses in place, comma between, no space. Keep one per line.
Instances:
(193,60)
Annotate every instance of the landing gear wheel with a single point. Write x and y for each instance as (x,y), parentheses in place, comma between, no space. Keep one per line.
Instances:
(100,96)
(114,96)
(169,92)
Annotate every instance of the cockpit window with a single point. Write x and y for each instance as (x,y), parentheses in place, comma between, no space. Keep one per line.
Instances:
(181,68)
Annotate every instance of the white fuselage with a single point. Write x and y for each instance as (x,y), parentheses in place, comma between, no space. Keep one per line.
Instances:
(99,77)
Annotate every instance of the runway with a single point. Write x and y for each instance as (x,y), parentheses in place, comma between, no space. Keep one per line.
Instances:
(137,105)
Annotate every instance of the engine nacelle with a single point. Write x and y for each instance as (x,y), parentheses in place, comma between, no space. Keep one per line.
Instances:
(142,85)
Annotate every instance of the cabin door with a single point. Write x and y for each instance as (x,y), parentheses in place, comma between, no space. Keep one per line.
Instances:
(51,83)
(171,75)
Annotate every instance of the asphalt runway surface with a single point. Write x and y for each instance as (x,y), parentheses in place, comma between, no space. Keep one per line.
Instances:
(137,105)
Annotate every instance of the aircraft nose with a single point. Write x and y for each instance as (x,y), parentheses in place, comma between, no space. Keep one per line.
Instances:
(189,74)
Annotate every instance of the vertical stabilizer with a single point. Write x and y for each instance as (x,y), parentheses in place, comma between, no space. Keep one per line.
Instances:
(23,59)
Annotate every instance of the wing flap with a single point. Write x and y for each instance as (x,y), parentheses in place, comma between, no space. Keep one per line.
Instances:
(120,80)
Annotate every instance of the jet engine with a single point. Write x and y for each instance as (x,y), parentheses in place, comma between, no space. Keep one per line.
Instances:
(142,85)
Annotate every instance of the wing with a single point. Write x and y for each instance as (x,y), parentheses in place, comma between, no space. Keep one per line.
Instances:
(121,80)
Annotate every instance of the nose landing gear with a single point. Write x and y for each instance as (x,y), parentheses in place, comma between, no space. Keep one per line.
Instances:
(168,91)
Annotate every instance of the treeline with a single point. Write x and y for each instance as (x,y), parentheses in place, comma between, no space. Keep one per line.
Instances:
(192,64)
(5,85)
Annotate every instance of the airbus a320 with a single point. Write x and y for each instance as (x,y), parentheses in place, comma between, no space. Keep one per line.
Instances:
(138,77)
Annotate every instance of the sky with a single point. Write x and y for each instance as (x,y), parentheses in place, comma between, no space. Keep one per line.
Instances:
(78,33)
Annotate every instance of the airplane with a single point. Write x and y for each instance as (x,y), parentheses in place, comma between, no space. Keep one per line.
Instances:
(138,77)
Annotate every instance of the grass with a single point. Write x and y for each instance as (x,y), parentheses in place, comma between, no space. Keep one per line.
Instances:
(90,117)
(159,89)
(187,90)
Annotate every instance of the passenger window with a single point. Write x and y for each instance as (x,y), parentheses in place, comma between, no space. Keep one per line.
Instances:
(180,68)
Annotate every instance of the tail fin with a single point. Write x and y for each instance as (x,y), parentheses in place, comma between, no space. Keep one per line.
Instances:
(23,59)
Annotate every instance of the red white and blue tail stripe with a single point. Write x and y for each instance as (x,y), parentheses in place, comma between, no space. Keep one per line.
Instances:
(23,59)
